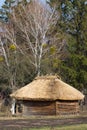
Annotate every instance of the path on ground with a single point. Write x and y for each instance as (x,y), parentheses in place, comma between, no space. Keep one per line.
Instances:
(35,123)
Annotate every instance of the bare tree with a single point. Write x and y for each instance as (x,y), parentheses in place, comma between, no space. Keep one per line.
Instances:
(7,43)
(35,21)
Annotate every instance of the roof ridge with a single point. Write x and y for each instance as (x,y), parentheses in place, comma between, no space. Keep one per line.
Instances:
(48,77)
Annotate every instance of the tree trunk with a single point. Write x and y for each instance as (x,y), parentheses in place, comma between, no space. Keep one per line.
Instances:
(13,106)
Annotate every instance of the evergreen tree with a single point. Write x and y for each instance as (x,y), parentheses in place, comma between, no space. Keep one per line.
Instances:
(73,22)
(75,15)
(6,10)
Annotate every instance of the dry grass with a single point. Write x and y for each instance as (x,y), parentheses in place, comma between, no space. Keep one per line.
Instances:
(47,88)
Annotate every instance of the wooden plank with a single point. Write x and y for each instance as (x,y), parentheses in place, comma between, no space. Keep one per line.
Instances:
(67,107)
(39,108)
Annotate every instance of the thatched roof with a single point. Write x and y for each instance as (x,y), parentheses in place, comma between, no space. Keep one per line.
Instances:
(47,88)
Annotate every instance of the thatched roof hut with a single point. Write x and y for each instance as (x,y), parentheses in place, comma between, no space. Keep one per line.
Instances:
(48,91)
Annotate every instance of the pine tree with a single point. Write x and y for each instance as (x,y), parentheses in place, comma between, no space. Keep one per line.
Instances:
(75,66)
(6,10)
(73,22)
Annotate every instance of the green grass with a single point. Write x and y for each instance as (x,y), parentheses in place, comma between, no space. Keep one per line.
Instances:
(71,127)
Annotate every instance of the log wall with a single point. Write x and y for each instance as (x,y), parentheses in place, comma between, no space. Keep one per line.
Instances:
(50,107)
(39,108)
(67,107)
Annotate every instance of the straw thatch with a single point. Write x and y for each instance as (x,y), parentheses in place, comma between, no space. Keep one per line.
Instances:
(47,88)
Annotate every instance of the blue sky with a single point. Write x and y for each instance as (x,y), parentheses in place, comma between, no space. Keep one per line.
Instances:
(1,2)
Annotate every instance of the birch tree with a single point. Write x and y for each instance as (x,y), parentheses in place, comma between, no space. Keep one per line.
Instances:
(8,48)
(8,54)
(36,22)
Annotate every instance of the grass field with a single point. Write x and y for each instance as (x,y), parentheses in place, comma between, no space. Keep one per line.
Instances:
(71,127)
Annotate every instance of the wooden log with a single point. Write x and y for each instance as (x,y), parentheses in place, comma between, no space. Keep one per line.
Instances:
(67,107)
(39,108)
